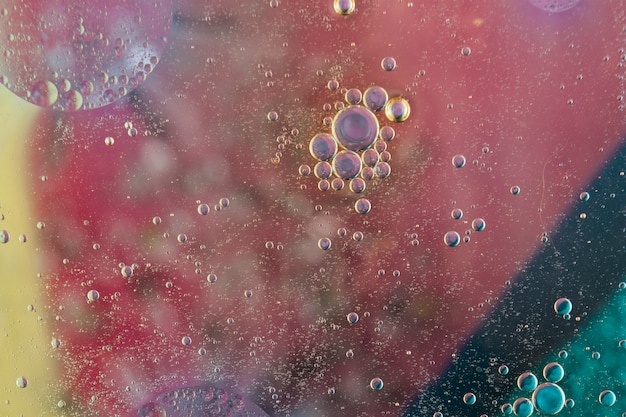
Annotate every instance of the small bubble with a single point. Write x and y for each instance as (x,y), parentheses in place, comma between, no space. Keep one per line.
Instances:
(553,372)
(337,184)
(44,93)
(126,271)
(152,410)
(353,96)
(515,190)
(323,170)
(458,161)
(569,403)
(272,116)
(478,224)
(388,63)
(274,4)
(357,236)
(332,85)
(347,165)
(21,382)
(55,343)
(527,381)
(203,209)
(595,355)
(349,354)
(375,98)
(185,341)
(109,141)
(362,206)
(469,398)
(181,238)
(324,243)
(22,238)
(562,306)
(342,232)
(323,147)
(352,317)
(304,170)
(387,133)
(456,214)
(247,294)
(224,202)
(323,185)
(397,109)
(211,278)
(376,384)
(41,225)
(523,407)
(466,51)
(584,196)
(344,7)
(93,295)
(4,236)
(383,170)
(503,370)
(606,398)
(452,239)
(357,185)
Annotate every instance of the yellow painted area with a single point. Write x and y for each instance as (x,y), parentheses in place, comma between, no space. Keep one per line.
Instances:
(24,340)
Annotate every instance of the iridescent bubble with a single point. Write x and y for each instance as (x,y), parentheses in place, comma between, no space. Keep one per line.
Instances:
(523,407)
(515,190)
(376,384)
(469,398)
(607,398)
(4,236)
(324,243)
(554,6)
(353,96)
(323,185)
(584,196)
(387,133)
(458,161)
(355,127)
(527,381)
(21,382)
(549,398)
(368,173)
(344,7)
(93,295)
(304,170)
(272,116)
(562,306)
(456,214)
(81,57)
(397,109)
(346,165)
(323,147)
(388,63)
(478,224)
(127,271)
(569,403)
(370,157)
(506,408)
(553,372)
(203,209)
(185,341)
(362,206)
(337,184)
(357,185)
(323,170)
(352,317)
(375,98)
(503,370)
(452,239)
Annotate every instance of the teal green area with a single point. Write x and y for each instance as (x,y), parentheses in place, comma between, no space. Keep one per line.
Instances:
(594,364)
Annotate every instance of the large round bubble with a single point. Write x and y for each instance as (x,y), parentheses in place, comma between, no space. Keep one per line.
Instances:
(73,56)
(356,128)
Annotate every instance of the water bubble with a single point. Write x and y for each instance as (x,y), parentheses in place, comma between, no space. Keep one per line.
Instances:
(466,51)
(515,190)
(337,184)
(156,220)
(368,173)
(456,214)
(181,238)
(203,209)
(323,185)
(376,384)
(387,133)
(82,57)
(93,295)
(506,408)
(247,294)
(349,354)
(333,85)
(353,96)
(554,6)
(126,271)
(324,243)
(607,398)
(563,354)
(562,306)
(109,141)
(272,116)
(549,398)
(21,382)
(344,7)
(357,237)
(331,391)
(224,202)
(622,343)
(352,317)
(55,343)
(478,224)
(375,98)
(452,239)
(503,370)
(397,109)
(304,170)
(388,63)
(527,381)
(185,341)
(458,161)
(357,185)
(438,414)
(380,146)
(469,398)
(211,278)
(595,355)
(362,206)
(383,170)
(584,196)
(323,170)
(323,147)
(385,156)
(523,407)
(347,165)
(355,127)
(22,238)
(370,157)
(553,372)
(4,236)
(274,4)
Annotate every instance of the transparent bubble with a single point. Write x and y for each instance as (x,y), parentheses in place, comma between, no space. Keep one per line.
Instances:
(376,384)
(357,185)
(55,343)
(380,146)
(569,403)
(370,157)
(22,238)
(323,170)
(554,6)
(506,408)
(324,243)
(344,7)
(323,185)
(466,51)
(81,57)
(362,206)
(458,161)
(503,370)
(548,398)
(368,173)
(607,398)
(357,237)
(347,165)
(337,184)
(397,109)
(478,224)
(515,190)
(272,116)
(562,306)
(304,170)
(452,239)
(527,381)
(584,196)
(622,343)
(109,141)
(211,278)
(523,407)
(203,209)
(21,382)
(353,96)
(349,354)
(156,220)
(456,214)
(595,355)
(383,170)
(4,236)
(181,238)
(352,317)
(333,85)
(93,295)
(438,414)
(469,398)
(224,202)
(355,127)
(553,372)
(126,271)
(385,156)
(323,147)
(388,63)
(375,98)
(185,341)
(387,133)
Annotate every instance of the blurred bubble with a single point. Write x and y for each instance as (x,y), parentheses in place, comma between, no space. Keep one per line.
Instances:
(357,185)
(355,127)
(352,317)
(376,384)
(324,243)
(506,408)
(323,170)
(156,220)
(397,109)
(81,57)
(563,306)
(349,354)
(152,410)
(584,196)
(126,271)
(553,372)
(203,209)
(456,214)
(466,51)
(4,236)
(549,398)
(387,133)
(554,6)
(362,206)
(515,190)
(452,239)
(304,170)
(383,170)
(344,7)
(353,96)
(458,161)
(333,85)
(595,355)
(469,398)
(185,341)
(93,295)
(523,407)
(503,370)
(211,278)
(607,398)
(21,382)
(478,224)
(55,343)
(181,238)
(375,98)
(109,141)
(224,202)
(272,116)
(388,63)
(527,381)
(323,146)
(357,237)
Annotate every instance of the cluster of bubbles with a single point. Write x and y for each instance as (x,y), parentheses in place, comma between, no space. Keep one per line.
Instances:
(80,57)
(355,151)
